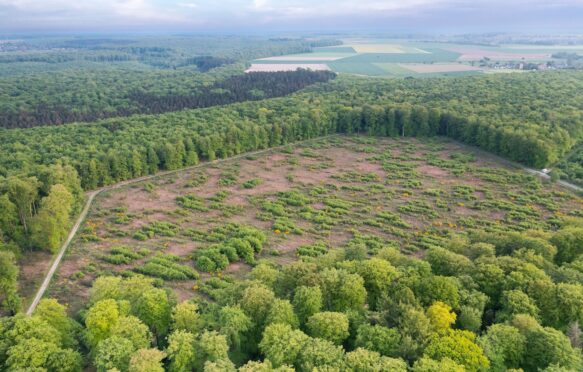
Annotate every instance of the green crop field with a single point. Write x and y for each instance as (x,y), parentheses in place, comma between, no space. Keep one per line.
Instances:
(374,57)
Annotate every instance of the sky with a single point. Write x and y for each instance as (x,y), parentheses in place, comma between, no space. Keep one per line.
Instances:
(414,16)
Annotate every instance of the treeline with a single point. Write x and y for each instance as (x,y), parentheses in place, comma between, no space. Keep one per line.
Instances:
(419,121)
(113,94)
(480,302)
(571,167)
(35,213)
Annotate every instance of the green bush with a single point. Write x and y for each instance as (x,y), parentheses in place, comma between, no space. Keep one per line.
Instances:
(313,250)
(166,267)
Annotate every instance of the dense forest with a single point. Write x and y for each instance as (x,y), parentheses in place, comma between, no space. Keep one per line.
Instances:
(68,97)
(46,81)
(482,302)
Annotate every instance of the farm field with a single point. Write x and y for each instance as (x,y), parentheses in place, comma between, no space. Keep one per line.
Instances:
(300,202)
(377,57)
(282,67)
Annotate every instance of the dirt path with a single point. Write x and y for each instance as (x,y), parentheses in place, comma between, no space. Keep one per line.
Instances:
(565,184)
(92,194)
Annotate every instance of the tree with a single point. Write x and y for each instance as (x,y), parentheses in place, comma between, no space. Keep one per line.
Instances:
(181,351)
(282,311)
(211,347)
(55,315)
(154,309)
(9,223)
(378,275)
(363,360)
(51,225)
(221,365)
(100,320)
(548,346)
(185,317)
(113,352)
(385,341)
(429,365)
(147,360)
(570,302)
(133,330)
(341,290)
(8,282)
(265,273)
(329,326)
(415,330)
(470,318)
(256,302)
(458,346)
(444,262)
(264,366)
(504,346)
(30,354)
(105,288)
(281,344)
(569,243)
(574,334)
(318,353)
(307,302)
(23,193)
(441,317)
(65,360)
(516,302)
(234,323)
(439,288)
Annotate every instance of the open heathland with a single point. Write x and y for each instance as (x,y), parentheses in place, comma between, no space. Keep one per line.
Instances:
(302,202)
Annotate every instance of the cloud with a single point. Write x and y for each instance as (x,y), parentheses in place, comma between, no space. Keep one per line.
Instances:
(253,14)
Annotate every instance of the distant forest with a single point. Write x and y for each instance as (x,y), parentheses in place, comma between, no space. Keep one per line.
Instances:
(92,100)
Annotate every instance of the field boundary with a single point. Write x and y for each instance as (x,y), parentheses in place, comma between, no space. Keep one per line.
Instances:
(92,194)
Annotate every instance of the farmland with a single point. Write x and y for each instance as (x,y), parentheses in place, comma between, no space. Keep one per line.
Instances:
(383,57)
(300,202)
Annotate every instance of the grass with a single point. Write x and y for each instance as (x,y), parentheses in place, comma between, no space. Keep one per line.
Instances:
(354,193)
(434,55)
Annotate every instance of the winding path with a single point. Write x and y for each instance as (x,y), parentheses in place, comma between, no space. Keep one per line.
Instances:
(92,194)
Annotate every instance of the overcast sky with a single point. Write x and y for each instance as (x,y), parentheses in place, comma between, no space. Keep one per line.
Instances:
(545,16)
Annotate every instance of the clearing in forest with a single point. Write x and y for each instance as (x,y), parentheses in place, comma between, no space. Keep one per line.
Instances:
(301,201)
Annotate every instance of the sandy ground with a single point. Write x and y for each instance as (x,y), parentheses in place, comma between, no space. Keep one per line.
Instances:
(272,67)
(376,48)
(423,68)
(300,58)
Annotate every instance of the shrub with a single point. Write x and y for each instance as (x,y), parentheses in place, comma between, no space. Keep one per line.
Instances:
(167,267)
(193,202)
(314,250)
(251,183)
